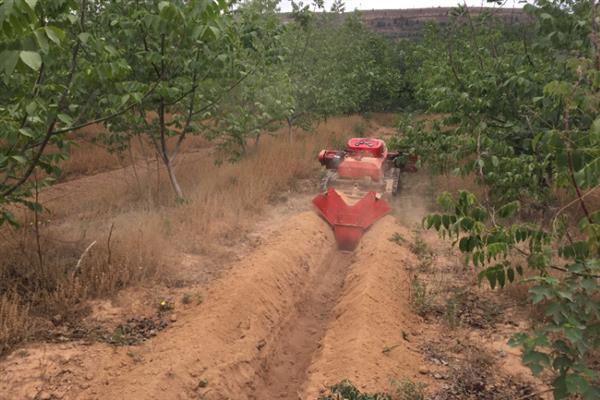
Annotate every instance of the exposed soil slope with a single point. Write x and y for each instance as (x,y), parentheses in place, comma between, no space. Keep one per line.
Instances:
(221,341)
(370,341)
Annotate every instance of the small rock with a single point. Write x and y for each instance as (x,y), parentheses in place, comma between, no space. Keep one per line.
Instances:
(262,343)
(203,383)
(57,319)
(84,385)
(43,395)
(88,377)
(438,376)
(173,318)
(423,370)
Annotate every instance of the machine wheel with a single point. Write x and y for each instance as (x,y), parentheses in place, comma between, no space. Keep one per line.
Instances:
(326,180)
(396,184)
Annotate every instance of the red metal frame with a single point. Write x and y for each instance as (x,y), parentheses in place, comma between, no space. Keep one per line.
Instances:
(350,221)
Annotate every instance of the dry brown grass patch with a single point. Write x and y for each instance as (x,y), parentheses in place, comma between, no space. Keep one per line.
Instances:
(150,231)
(14,321)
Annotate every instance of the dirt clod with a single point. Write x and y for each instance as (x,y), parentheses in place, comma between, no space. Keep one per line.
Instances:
(44,396)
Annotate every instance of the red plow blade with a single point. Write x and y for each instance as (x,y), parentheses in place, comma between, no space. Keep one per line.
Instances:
(350,221)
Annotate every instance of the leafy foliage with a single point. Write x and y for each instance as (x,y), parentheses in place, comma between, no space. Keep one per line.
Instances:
(366,76)
(519,113)
(166,70)
(46,54)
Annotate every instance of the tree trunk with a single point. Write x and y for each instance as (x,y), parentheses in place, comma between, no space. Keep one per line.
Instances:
(256,142)
(173,178)
(290,133)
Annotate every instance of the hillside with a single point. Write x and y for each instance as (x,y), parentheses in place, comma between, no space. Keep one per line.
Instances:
(409,23)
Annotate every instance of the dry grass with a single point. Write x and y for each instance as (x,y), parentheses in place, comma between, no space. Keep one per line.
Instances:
(14,323)
(91,155)
(148,230)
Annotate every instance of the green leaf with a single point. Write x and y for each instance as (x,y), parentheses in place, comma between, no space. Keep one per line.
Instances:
(446,201)
(495,161)
(84,37)
(40,37)
(8,217)
(65,118)
(8,61)
(560,387)
(31,107)
(55,34)
(26,132)
(19,159)
(33,206)
(32,59)
(519,270)
(576,384)
(501,277)
(215,31)
(162,5)
(490,274)
(465,244)
(510,274)
(559,89)
(533,357)
(595,128)
(508,210)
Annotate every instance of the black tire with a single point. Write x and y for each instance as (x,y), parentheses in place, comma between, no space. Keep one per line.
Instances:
(326,181)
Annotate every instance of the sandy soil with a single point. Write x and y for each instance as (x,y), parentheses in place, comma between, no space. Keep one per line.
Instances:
(369,340)
(292,316)
(274,327)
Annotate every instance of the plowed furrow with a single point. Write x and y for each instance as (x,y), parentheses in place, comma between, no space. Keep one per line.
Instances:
(283,369)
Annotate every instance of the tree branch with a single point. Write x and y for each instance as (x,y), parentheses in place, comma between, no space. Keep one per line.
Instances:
(61,103)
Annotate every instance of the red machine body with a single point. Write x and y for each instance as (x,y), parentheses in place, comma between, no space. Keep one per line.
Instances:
(363,157)
(349,222)
(363,160)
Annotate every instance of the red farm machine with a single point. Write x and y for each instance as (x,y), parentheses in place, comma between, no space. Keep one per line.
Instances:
(358,180)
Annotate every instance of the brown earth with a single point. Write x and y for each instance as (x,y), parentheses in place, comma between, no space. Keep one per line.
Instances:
(271,328)
(369,341)
(289,317)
